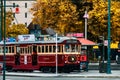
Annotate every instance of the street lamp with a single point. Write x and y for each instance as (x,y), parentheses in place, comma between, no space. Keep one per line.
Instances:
(86,17)
(109,40)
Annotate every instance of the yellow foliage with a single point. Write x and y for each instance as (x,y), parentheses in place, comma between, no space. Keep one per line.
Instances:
(98,20)
(16,30)
(61,15)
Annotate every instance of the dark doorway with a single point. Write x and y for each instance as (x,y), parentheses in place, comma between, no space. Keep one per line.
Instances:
(34,56)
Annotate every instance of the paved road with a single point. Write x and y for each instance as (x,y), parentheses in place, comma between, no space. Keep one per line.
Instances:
(89,74)
(55,78)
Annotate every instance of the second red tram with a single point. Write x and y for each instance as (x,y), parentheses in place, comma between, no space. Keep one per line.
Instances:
(41,54)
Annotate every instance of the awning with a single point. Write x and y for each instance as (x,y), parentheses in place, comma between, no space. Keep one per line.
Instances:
(86,42)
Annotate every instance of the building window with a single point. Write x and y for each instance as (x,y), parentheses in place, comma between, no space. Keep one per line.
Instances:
(13,5)
(26,15)
(14,15)
(14,23)
(25,5)
(26,23)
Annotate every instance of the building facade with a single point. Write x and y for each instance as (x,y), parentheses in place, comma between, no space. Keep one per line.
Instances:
(23,16)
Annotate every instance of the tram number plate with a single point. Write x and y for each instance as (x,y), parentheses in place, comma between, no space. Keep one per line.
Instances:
(25,59)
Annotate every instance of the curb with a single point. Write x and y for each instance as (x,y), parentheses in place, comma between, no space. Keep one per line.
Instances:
(62,75)
(89,74)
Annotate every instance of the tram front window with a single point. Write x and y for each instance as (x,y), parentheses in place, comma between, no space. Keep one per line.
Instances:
(67,48)
(74,48)
(71,48)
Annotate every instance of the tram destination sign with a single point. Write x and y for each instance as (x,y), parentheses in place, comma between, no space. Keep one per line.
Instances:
(71,41)
(28,37)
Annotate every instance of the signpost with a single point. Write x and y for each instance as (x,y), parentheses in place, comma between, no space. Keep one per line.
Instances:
(56,56)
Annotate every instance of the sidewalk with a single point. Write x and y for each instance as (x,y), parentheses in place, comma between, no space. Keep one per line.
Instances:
(89,74)
(95,74)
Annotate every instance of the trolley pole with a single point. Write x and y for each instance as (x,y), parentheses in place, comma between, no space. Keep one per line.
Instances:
(56,57)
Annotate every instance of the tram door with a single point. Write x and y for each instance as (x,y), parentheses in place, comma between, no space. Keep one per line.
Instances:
(17,56)
(34,56)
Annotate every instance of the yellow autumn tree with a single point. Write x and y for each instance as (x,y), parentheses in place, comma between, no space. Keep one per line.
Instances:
(16,30)
(98,19)
(61,15)
(9,19)
(13,30)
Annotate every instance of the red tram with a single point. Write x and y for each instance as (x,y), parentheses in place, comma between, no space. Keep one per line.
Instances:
(41,54)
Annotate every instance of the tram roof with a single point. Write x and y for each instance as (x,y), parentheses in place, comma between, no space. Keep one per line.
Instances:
(50,40)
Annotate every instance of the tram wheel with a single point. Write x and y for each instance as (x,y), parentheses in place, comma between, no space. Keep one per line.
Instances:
(9,68)
(66,70)
(30,71)
(53,70)
(46,69)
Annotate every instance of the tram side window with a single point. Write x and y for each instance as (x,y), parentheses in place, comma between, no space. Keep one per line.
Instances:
(22,50)
(46,48)
(6,49)
(43,49)
(10,51)
(18,49)
(58,49)
(54,48)
(39,49)
(30,49)
(62,48)
(26,50)
(35,49)
(50,48)
(77,48)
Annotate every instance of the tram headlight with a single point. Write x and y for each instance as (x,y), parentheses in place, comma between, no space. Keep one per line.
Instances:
(72,58)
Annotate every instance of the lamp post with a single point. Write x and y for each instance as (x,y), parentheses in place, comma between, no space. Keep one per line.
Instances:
(86,17)
(109,40)
(4,57)
(1,19)
(3,26)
